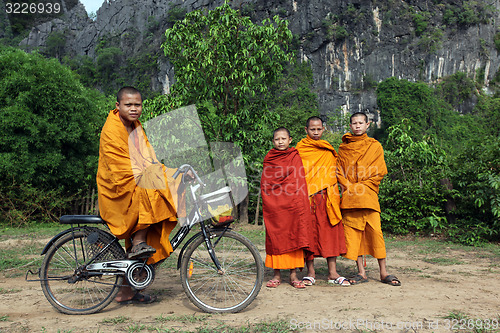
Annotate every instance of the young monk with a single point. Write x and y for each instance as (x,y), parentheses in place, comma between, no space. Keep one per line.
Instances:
(285,209)
(320,162)
(361,167)
(133,195)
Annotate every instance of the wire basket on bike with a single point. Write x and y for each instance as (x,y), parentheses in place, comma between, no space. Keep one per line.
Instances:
(220,206)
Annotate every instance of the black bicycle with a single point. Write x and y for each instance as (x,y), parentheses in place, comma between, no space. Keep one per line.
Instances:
(85,266)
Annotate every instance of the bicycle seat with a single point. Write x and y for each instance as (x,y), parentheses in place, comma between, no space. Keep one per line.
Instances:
(81,219)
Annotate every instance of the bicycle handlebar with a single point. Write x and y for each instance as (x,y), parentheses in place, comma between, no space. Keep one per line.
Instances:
(185,168)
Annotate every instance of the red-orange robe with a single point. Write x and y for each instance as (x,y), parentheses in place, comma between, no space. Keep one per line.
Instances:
(320,162)
(285,208)
(133,189)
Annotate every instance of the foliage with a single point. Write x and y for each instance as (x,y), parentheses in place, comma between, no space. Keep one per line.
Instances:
(85,67)
(411,196)
(421,21)
(456,89)
(496,40)
(430,41)
(467,13)
(106,61)
(439,144)
(50,124)
(176,13)
(477,183)
(334,30)
(428,114)
(54,46)
(294,100)
(226,65)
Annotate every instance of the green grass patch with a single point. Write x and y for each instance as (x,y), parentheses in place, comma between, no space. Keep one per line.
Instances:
(182,318)
(4,318)
(136,328)
(4,291)
(443,261)
(115,320)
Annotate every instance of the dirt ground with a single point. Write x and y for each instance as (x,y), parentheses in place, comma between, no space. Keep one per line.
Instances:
(444,288)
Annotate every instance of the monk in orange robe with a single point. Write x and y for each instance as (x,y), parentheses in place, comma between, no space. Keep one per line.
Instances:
(285,208)
(320,163)
(134,197)
(361,167)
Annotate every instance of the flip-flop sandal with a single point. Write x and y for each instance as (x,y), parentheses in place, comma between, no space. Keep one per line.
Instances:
(390,279)
(357,279)
(140,299)
(273,283)
(298,284)
(308,280)
(340,281)
(141,251)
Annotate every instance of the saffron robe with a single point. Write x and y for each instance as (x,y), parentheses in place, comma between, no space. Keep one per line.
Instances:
(285,202)
(320,163)
(361,168)
(133,189)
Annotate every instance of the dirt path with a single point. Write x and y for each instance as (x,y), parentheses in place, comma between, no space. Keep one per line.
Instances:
(460,284)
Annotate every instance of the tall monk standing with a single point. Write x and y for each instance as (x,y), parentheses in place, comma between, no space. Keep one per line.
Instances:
(320,163)
(285,209)
(361,168)
(134,198)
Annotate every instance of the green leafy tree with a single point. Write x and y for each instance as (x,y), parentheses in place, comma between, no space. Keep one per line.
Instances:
(50,125)
(222,57)
(411,197)
(429,115)
(226,65)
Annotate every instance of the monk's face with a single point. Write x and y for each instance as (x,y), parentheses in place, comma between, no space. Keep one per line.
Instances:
(315,129)
(359,125)
(281,140)
(129,108)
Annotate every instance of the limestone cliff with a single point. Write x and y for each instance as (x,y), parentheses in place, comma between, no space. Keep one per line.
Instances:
(351,44)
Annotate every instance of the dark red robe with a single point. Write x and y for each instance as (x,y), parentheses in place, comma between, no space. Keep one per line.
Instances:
(287,213)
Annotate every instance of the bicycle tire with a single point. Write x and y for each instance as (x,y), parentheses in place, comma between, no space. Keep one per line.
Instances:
(231,291)
(85,294)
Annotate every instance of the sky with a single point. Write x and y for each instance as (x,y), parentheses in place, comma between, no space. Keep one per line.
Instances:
(92,5)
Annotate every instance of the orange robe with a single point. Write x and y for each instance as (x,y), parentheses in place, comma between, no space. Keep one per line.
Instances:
(361,168)
(285,208)
(133,189)
(320,160)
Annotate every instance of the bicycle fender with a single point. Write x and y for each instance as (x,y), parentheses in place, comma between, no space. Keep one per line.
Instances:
(59,235)
(198,234)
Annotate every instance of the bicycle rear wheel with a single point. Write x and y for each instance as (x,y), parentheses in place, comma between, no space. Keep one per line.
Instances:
(236,286)
(65,281)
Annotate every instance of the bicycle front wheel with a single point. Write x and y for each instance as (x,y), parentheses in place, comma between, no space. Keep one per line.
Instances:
(235,286)
(66,283)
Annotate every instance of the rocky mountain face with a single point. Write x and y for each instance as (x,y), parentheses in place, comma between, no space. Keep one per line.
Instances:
(351,44)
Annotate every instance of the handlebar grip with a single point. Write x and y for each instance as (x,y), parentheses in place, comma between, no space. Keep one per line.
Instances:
(182,168)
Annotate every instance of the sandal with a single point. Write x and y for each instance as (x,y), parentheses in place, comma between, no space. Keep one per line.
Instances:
(298,284)
(357,279)
(141,251)
(308,280)
(391,280)
(341,281)
(273,283)
(140,299)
